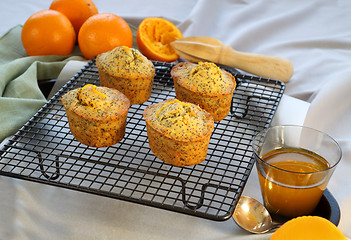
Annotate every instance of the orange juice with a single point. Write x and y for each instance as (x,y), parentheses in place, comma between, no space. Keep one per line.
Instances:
(293,182)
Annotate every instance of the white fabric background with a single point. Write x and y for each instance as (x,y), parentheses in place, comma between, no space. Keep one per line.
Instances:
(315,35)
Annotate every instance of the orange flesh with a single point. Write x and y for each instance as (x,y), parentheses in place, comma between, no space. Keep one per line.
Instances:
(154,36)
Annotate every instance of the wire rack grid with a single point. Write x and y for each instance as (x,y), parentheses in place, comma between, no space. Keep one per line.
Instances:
(44,151)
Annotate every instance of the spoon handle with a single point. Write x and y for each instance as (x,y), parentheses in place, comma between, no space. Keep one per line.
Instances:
(275,226)
(260,65)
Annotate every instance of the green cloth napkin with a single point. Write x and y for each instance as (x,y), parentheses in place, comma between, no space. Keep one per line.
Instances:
(20,96)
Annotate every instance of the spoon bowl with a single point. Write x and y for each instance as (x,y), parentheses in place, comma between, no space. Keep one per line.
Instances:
(252,216)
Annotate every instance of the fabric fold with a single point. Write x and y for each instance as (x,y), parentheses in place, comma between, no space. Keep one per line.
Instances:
(20,95)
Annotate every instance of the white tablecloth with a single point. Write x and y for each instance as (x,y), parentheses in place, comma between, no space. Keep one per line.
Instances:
(315,35)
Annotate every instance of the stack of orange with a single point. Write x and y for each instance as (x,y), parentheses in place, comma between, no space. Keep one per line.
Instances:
(55,31)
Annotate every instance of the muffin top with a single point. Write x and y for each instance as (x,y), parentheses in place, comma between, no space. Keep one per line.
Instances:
(203,78)
(96,103)
(179,120)
(122,61)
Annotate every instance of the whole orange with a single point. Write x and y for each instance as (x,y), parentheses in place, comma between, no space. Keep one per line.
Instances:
(48,32)
(308,227)
(154,36)
(103,32)
(77,11)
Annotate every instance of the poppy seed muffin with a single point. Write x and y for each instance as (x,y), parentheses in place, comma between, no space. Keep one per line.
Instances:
(179,133)
(96,115)
(204,84)
(128,71)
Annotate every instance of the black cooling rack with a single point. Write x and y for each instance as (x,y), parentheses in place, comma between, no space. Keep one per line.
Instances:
(44,151)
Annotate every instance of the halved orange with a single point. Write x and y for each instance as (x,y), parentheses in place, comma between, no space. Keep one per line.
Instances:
(154,36)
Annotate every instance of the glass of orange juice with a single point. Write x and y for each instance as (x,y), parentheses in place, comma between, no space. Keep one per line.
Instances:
(294,165)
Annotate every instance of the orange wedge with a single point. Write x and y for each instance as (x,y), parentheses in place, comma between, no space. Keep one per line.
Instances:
(154,36)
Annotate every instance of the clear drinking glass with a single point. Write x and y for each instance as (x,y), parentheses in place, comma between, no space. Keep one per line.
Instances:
(294,165)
